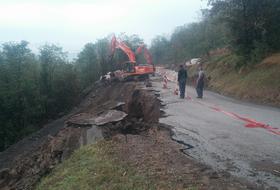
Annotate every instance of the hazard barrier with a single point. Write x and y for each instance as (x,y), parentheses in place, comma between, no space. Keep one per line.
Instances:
(176,92)
(165,80)
(170,75)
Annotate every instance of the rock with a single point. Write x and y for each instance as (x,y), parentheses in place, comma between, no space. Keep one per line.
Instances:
(88,119)
(214,175)
(109,117)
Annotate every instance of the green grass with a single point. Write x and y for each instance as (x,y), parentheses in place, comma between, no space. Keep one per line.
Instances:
(260,83)
(96,167)
(92,167)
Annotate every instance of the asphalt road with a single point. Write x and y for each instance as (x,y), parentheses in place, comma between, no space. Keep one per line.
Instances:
(223,141)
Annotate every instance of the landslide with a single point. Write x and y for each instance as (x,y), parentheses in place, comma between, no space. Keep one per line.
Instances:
(23,164)
(137,153)
(149,160)
(259,83)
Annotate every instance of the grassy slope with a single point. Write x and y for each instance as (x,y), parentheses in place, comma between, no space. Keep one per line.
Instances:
(92,167)
(97,167)
(259,84)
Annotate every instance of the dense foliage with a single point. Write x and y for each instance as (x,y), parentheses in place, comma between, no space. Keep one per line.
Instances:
(33,88)
(37,88)
(249,28)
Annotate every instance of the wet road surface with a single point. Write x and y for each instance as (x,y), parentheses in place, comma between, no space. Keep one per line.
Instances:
(223,141)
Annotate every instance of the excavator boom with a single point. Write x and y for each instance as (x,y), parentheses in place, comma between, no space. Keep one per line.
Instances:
(115,44)
(133,68)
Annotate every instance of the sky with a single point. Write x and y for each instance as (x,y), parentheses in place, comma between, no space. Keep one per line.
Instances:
(71,24)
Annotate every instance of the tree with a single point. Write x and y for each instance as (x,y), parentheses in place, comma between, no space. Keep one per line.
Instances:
(87,65)
(133,41)
(249,28)
(103,54)
(59,85)
(190,41)
(33,89)
(161,50)
(254,25)
(19,95)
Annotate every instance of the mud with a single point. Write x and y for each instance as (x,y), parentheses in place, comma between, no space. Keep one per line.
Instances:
(23,164)
(28,167)
(155,154)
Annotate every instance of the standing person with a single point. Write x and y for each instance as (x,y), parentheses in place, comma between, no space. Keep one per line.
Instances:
(182,80)
(200,82)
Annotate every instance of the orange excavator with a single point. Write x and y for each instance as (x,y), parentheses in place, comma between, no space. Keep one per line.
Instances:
(132,67)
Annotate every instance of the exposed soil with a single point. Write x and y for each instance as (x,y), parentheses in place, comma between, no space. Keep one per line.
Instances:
(139,141)
(28,167)
(156,154)
(23,164)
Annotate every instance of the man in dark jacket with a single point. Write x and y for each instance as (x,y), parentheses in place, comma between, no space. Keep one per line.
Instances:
(182,80)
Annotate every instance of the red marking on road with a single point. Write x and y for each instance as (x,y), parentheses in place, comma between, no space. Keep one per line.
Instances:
(249,123)
(189,98)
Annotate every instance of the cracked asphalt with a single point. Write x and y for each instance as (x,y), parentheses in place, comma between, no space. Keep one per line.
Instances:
(221,141)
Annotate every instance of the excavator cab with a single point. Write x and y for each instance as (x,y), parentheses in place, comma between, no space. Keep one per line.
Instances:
(129,67)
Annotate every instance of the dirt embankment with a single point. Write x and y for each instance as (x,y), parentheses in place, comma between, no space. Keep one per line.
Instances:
(259,83)
(162,160)
(23,164)
(138,140)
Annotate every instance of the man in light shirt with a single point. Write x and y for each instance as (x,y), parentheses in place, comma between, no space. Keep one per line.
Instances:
(200,82)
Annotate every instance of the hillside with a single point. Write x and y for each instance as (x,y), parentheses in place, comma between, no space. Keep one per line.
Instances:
(259,83)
